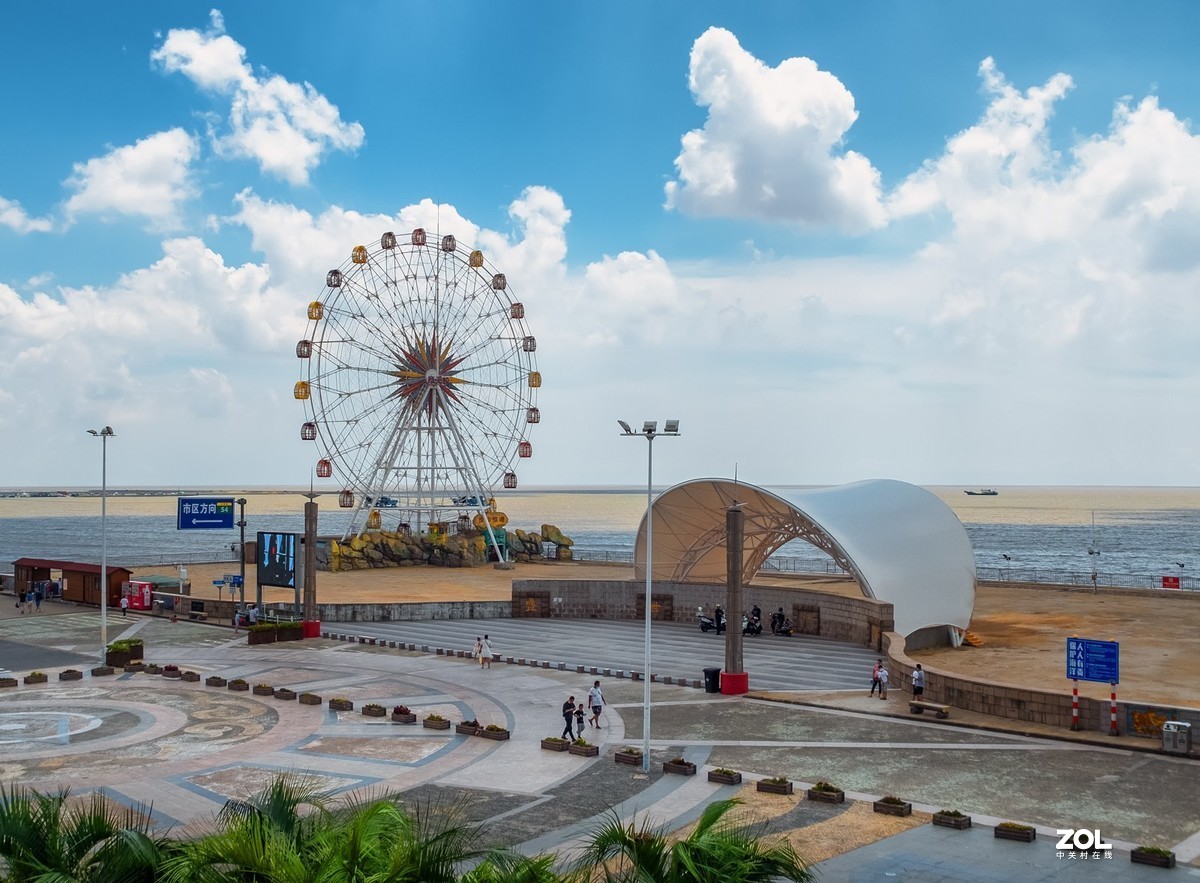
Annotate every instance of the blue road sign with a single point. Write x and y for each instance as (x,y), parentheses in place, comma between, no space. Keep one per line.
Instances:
(1094,660)
(205,513)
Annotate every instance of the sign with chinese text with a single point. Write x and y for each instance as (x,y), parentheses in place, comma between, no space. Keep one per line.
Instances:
(205,513)
(1093,660)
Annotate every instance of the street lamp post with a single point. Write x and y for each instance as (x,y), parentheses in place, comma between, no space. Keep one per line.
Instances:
(241,501)
(649,432)
(104,435)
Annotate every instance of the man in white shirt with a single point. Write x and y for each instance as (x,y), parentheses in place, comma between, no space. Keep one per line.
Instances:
(596,701)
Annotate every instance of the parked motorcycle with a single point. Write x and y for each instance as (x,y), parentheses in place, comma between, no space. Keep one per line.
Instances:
(706,622)
(751,626)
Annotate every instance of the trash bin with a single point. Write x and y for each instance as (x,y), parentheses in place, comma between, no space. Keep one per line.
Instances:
(1177,737)
(712,680)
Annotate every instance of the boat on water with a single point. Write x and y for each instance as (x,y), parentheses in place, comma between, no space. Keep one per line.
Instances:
(983,492)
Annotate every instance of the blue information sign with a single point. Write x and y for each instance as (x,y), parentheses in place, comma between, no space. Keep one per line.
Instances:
(205,513)
(1093,660)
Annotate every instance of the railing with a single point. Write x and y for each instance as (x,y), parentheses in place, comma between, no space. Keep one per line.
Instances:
(170,560)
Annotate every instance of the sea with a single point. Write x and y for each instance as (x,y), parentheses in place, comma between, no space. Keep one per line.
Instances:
(1127,536)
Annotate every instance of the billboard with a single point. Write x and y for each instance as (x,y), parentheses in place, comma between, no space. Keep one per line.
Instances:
(277,559)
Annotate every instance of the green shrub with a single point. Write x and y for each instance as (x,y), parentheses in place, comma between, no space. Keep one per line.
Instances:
(825,786)
(263,627)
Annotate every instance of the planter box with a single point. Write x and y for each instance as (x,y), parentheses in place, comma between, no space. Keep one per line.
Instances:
(584,750)
(134,666)
(98,672)
(191,677)
(1140,856)
(117,658)
(310,699)
(494,735)
(960,823)
(285,694)
(725,778)
(465,729)
(435,725)
(627,758)
(374,711)
(1019,834)
(35,679)
(155,670)
(263,690)
(341,705)
(838,796)
(70,675)
(679,769)
(173,674)
(404,718)
(267,637)
(11,682)
(555,744)
(289,634)
(893,809)
(215,681)
(238,686)
(774,787)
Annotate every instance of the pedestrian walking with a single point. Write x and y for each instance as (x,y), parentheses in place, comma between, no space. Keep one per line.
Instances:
(596,701)
(252,615)
(875,676)
(568,713)
(28,602)
(918,682)
(883,680)
(125,607)
(485,650)
(580,714)
(37,600)
(477,652)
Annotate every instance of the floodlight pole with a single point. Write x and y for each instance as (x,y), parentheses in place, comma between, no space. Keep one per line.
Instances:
(649,432)
(241,501)
(104,435)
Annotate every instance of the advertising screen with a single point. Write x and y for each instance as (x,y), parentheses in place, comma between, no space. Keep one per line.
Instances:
(277,559)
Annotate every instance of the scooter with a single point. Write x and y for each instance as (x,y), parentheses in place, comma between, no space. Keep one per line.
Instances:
(751,626)
(707,624)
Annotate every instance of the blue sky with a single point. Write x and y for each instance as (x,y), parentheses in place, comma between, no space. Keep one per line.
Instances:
(934,242)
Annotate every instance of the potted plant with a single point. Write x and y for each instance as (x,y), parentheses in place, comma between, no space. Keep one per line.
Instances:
(374,709)
(823,792)
(628,755)
(893,806)
(583,748)
(70,674)
(725,776)
(495,732)
(555,743)
(98,672)
(189,676)
(171,671)
(286,694)
(215,681)
(264,690)
(262,633)
(951,818)
(402,714)
(35,677)
(310,699)
(467,728)
(289,631)
(340,703)
(238,685)
(8,682)
(152,668)
(435,722)
(679,767)
(1152,855)
(123,651)
(775,785)
(1015,831)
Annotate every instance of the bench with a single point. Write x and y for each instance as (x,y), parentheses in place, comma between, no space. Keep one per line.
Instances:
(916,706)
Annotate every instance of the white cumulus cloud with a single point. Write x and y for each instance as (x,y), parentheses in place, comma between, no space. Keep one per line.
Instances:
(285,127)
(149,179)
(771,147)
(15,218)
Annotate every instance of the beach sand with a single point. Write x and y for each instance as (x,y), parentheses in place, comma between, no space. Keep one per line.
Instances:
(1024,629)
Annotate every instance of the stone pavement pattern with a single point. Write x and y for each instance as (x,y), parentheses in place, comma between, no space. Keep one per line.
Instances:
(186,748)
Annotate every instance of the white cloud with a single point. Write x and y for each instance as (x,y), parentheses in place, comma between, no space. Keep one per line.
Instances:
(149,179)
(16,219)
(285,127)
(771,145)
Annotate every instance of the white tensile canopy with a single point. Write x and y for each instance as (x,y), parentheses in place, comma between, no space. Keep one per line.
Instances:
(900,543)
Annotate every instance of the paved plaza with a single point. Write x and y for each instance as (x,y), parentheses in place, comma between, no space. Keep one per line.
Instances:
(186,748)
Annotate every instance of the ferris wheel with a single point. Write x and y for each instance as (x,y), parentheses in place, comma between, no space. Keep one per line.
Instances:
(418,380)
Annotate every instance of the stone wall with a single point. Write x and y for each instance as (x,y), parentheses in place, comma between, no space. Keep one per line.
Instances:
(1049,707)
